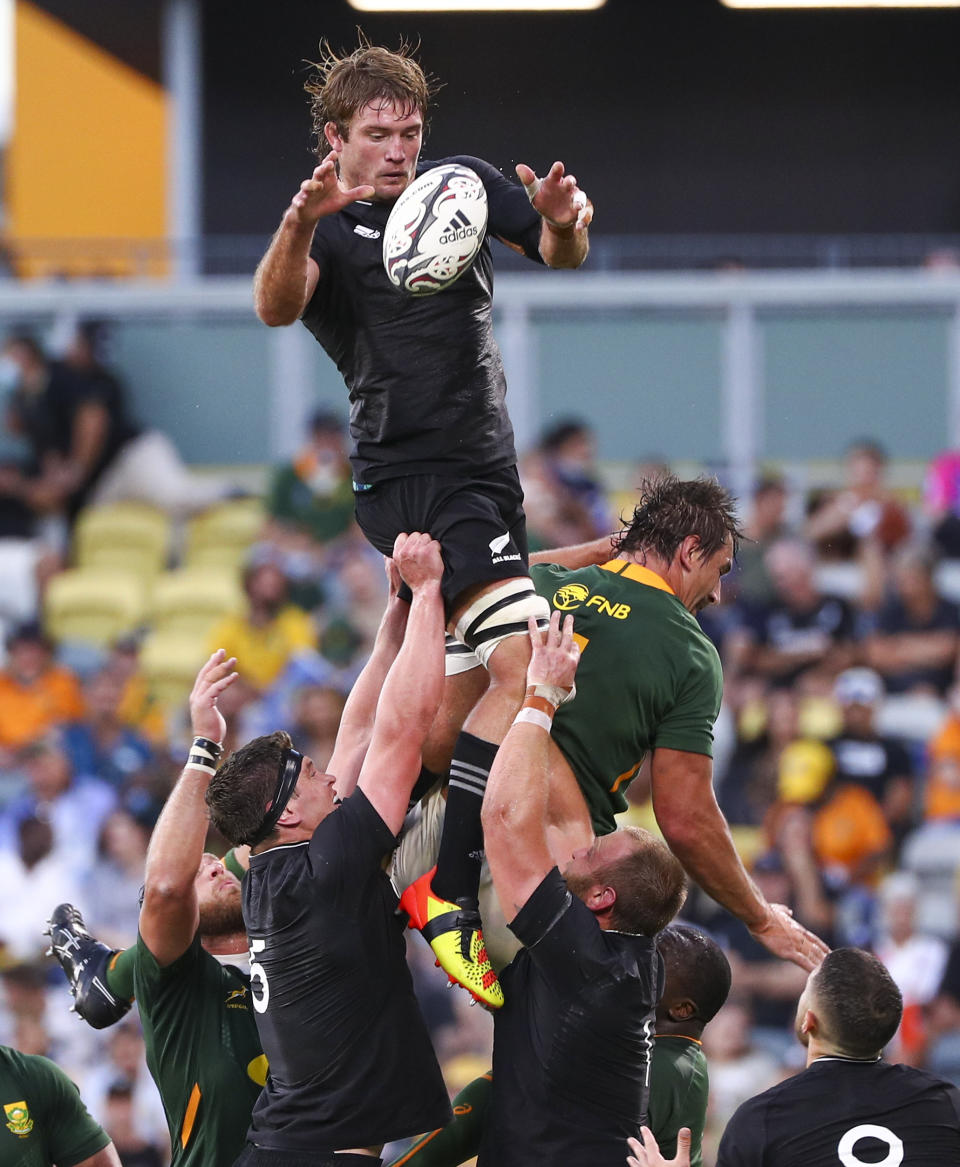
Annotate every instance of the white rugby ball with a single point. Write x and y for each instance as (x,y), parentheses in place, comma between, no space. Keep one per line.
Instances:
(435,229)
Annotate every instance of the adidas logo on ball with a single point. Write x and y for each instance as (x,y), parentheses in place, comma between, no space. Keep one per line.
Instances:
(459,227)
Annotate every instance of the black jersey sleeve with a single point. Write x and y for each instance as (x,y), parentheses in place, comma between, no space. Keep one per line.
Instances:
(349,847)
(510,217)
(561,935)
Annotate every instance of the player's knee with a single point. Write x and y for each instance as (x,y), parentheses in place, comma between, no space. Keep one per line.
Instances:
(499,614)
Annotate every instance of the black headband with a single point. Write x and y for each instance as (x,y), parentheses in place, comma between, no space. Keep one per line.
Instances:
(290,763)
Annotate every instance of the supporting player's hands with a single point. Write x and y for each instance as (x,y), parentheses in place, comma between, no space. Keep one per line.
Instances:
(782,935)
(217,674)
(647,1153)
(418,559)
(554,654)
(557,197)
(321,194)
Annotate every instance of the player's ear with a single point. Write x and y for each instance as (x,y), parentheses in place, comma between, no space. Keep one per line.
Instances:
(809,1024)
(682,1010)
(689,551)
(333,136)
(602,898)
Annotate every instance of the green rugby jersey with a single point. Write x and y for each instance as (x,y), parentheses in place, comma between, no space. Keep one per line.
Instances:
(648,677)
(202,1050)
(678,1093)
(44,1119)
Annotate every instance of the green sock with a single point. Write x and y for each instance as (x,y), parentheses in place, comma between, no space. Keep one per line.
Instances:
(459,1140)
(120,973)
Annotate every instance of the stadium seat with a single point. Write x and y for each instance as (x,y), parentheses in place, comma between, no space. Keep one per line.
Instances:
(130,536)
(221,536)
(191,600)
(169,662)
(93,606)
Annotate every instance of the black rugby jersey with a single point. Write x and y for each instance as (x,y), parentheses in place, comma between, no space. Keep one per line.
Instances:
(841,1113)
(351,1063)
(425,374)
(573,1042)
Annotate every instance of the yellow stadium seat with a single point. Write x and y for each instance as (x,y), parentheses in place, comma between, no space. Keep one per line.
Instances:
(129,536)
(221,536)
(93,606)
(191,600)
(169,663)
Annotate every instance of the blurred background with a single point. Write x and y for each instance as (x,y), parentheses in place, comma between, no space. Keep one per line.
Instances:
(772,296)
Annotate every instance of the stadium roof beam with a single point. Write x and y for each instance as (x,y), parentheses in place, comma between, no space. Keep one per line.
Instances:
(476,5)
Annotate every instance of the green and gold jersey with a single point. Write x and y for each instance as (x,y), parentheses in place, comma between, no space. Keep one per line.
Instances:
(648,677)
(678,1093)
(44,1119)
(202,1050)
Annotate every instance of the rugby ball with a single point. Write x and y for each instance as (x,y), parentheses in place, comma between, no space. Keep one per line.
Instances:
(435,230)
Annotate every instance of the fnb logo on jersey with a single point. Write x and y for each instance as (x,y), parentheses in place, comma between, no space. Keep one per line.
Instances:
(459,227)
(575,595)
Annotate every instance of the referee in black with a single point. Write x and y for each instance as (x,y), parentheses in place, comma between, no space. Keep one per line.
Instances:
(351,1063)
(572,1044)
(848,1107)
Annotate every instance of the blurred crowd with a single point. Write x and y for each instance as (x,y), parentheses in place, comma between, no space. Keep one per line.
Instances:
(837,758)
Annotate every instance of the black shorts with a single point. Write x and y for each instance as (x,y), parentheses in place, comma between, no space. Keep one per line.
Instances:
(478,522)
(254,1156)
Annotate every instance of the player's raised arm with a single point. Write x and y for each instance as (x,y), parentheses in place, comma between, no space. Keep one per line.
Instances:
(414,685)
(359,713)
(566,212)
(286,276)
(515,805)
(170,912)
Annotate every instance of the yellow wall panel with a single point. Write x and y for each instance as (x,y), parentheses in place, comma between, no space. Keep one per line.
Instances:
(86,167)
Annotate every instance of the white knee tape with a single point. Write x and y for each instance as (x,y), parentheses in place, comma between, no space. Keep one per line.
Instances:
(500,613)
(458,658)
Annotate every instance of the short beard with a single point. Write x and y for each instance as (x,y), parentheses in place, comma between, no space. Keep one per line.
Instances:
(579,885)
(220,919)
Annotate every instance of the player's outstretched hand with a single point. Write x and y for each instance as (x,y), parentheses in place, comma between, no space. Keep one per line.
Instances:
(785,937)
(554,654)
(647,1153)
(321,194)
(557,197)
(217,674)
(418,559)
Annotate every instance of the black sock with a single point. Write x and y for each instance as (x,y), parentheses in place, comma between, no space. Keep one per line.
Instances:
(423,785)
(461,844)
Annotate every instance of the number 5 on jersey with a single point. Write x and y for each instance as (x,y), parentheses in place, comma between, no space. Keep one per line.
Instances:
(258,977)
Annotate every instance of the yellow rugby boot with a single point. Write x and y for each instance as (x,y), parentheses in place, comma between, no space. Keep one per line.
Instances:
(454,933)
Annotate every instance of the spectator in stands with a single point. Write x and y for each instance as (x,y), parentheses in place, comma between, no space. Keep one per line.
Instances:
(765,525)
(915,961)
(35,692)
(125,1062)
(916,636)
(766,986)
(74,805)
(119,1121)
(73,431)
(941,797)
(135,463)
(766,725)
(867,758)
(310,499)
(941,501)
(863,510)
(801,633)
(269,632)
(317,711)
(564,497)
(842,828)
(101,743)
(739,1067)
(943,1020)
(111,891)
(30,873)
